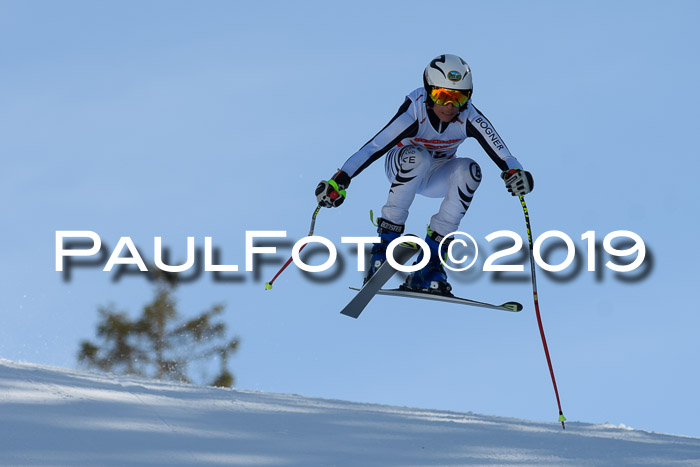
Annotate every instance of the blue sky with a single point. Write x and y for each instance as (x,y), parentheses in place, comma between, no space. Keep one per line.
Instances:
(177,119)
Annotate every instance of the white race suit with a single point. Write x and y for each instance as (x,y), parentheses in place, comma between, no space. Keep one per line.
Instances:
(421,150)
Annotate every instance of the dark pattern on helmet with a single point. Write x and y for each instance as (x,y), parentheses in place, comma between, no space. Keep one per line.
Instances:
(434,62)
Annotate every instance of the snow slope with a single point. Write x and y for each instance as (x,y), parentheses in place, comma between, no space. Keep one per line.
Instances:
(52,416)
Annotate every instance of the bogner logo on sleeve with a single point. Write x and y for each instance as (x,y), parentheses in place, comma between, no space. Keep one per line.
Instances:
(490,132)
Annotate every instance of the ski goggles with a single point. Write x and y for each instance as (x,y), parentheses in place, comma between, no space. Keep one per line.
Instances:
(443,96)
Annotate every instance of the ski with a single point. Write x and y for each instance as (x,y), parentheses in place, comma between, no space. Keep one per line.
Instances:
(402,254)
(508,306)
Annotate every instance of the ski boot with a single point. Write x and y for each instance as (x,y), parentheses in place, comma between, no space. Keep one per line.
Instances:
(388,232)
(432,278)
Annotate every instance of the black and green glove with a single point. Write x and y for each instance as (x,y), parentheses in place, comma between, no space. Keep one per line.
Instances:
(331,193)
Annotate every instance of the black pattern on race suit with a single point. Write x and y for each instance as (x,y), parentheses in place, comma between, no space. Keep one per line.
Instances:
(455,180)
(466,200)
(403,173)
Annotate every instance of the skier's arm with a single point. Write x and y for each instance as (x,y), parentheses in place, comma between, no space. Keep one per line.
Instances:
(519,182)
(331,193)
(479,127)
(403,125)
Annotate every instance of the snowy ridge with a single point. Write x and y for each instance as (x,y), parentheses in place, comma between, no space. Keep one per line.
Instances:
(52,416)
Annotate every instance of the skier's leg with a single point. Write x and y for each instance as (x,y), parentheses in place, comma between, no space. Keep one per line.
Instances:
(456,180)
(406,168)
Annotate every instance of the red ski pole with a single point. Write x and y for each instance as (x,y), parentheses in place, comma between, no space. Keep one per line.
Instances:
(562,419)
(268,285)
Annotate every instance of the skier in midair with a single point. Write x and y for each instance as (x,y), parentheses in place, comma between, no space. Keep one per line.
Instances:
(420,143)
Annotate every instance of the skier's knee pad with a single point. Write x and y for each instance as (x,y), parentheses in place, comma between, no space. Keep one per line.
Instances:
(466,172)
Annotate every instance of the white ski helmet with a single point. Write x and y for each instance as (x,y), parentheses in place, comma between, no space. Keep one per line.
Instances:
(450,72)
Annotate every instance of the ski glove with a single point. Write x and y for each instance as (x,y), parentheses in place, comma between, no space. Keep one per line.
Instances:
(331,193)
(519,182)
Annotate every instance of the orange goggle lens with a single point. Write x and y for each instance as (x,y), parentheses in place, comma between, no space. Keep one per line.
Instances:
(442,96)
